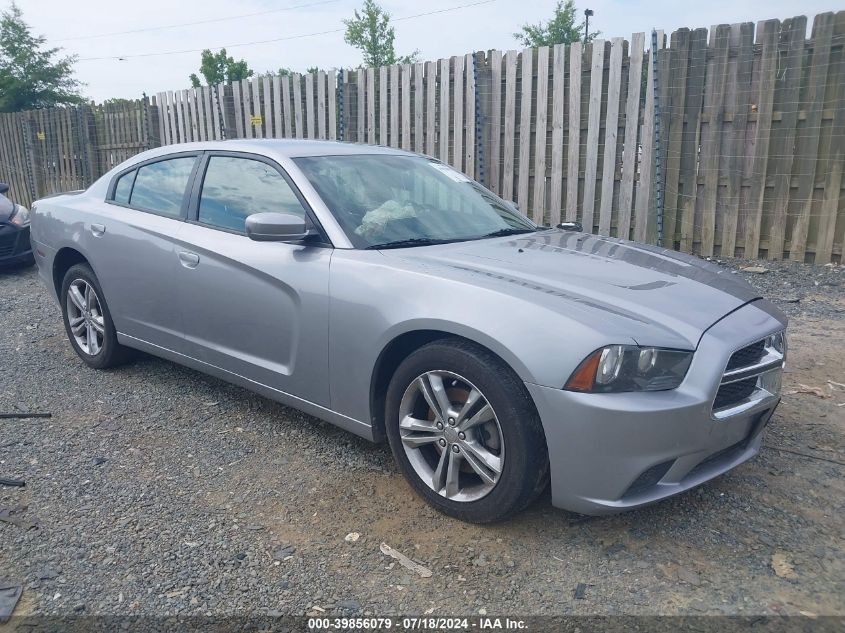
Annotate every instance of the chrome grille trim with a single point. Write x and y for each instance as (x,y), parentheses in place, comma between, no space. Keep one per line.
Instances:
(771,361)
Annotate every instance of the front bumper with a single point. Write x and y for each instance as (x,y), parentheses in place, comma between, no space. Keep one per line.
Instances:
(613,452)
(14,245)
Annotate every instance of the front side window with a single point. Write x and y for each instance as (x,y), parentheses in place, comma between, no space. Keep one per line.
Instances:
(388,200)
(235,188)
(160,187)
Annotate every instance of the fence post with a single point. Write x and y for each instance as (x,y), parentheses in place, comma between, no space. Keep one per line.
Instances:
(34,155)
(341,135)
(84,137)
(91,142)
(227,111)
(217,104)
(658,167)
(150,112)
(479,139)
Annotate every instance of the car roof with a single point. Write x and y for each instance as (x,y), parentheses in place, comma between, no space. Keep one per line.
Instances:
(290,148)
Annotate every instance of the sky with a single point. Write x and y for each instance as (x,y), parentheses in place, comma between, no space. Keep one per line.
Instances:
(294,23)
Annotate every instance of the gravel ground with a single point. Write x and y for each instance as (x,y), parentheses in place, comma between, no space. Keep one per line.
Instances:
(157,490)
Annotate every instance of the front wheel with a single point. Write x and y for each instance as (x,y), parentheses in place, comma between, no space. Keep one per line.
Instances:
(465,433)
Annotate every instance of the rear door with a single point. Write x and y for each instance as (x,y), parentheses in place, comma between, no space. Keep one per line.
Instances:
(256,309)
(132,249)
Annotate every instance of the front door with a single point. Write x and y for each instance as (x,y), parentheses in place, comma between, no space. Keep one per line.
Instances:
(256,309)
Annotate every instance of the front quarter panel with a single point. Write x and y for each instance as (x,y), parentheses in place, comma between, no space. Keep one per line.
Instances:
(375,299)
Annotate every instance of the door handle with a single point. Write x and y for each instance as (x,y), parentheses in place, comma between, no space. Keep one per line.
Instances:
(189,259)
(98,229)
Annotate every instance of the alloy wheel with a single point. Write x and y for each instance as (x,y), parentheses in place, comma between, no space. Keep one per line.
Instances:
(451,436)
(85,317)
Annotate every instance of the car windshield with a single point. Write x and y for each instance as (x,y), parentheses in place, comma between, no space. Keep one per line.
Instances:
(390,201)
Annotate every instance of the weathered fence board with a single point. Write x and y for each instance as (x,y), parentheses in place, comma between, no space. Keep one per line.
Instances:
(540,140)
(742,37)
(469,118)
(576,55)
(611,132)
(406,106)
(792,40)
(558,95)
(508,141)
(458,106)
(629,142)
(444,109)
(690,139)
(495,123)
(819,68)
(711,136)
(588,203)
(767,38)
(419,95)
(430,108)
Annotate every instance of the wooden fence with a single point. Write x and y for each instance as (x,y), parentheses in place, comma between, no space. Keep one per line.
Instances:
(61,149)
(748,158)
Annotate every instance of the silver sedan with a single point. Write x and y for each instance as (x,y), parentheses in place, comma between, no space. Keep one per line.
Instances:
(390,295)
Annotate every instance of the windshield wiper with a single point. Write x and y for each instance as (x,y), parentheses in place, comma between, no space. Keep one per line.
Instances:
(414,241)
(428,241)
(508,231)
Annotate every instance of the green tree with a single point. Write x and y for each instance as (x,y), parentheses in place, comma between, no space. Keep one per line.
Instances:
(219,68)
(370,32)
(32,76)
(561,29)
(120,101)
(284,71)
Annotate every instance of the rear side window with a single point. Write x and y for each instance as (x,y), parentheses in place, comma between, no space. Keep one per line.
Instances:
(124,187)
(234,188)
(160,187)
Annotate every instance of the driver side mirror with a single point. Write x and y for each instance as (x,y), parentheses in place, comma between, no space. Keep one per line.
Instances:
(3,187)
(278,227)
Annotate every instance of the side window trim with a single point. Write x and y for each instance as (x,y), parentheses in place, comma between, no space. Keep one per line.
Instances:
(186,196)
(132,186)
(199,179)
(113,186)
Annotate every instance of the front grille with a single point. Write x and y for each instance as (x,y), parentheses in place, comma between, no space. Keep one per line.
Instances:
(748,355)
(734,392)
(740,383)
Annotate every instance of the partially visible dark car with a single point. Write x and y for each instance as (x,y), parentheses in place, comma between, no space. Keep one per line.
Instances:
(14,232)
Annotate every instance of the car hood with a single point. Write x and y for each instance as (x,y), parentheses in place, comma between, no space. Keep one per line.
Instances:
(6,208)
(623,287)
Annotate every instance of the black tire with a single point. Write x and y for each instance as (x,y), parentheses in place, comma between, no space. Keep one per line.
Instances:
(525,472)
(111,352)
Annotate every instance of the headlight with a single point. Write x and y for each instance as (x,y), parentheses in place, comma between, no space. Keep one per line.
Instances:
(618,368)
(20,216)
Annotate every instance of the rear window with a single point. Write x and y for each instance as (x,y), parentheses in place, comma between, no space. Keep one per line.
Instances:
(160,187)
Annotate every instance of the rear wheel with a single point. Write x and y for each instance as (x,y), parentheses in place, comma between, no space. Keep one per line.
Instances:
(465,432)
(87,319)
